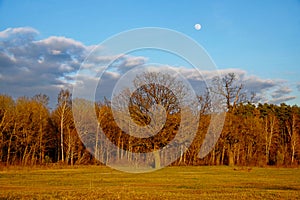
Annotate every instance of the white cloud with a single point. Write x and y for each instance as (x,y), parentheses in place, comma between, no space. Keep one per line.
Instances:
(266,90)
(21,31)
(29,66)
(282,90)
(65,67)
(130,61)
(56,52)
(58,43)
(282,99)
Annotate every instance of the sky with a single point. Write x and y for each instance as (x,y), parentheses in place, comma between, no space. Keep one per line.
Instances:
(43,43)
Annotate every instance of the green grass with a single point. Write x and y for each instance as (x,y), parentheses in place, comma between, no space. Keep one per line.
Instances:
(94,182)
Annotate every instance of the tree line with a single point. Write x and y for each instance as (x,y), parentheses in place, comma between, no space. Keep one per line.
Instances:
(253,134)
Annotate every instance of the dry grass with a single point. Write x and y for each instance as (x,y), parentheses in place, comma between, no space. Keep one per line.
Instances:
(96,182)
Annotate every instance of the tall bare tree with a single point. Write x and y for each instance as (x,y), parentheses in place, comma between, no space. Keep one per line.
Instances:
(231,91)
(293,128)
(7,118)
(64,116)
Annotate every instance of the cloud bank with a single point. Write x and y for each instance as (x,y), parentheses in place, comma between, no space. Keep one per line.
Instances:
(29,66)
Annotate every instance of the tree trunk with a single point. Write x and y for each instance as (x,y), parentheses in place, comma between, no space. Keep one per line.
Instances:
(9,144)
(294,138)
(223,155)
(24,155)
(156,159)
(238,155)
(72,156)
(33,158)
(213,156)
(8,149)
(230,156)
(41,148)
(62,134)
(96,141)
(269,132)
(69,145)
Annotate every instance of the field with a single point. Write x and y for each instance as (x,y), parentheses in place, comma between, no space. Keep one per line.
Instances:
(95,182)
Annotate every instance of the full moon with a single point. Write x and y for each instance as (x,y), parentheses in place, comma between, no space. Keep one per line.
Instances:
(197,27)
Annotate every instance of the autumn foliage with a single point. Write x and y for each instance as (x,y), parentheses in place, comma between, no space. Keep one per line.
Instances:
(254,134)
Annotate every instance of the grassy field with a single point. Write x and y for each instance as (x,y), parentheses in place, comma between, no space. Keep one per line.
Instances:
(94,182)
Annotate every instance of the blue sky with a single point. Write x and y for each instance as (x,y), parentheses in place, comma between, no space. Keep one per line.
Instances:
(260,39)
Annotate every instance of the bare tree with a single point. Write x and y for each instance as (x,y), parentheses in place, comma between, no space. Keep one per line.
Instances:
(63,114)
(232,92)
(293,127)
(7,118)
(41,103)
(156,98)
(230,89)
